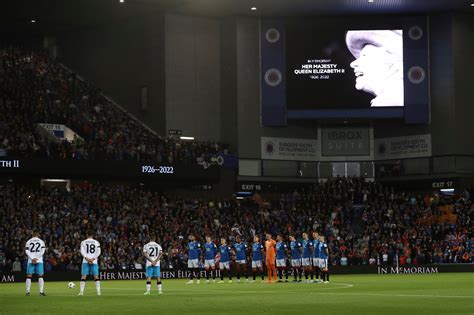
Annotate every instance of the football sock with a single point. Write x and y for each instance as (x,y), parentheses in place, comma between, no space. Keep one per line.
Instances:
(254,275)
(41,284)
(286,274)
(28,285)
(97,286)
(279,274)
(198,274)
(158,284)
(148,286)
(207,274)
(82,286)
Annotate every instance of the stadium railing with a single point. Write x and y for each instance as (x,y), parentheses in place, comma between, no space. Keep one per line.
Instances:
(399,168)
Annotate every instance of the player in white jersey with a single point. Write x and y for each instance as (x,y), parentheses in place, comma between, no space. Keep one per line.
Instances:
(152,252)
(34,249)
(90,250)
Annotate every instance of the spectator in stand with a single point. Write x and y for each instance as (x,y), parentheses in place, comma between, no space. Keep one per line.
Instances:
(363,222)
(16,265)
(35,89)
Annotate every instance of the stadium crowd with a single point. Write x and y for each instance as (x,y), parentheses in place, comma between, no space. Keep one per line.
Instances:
(35,89)
(364,222)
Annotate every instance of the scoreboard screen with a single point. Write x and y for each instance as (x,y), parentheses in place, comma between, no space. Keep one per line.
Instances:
(344,68)
(367,67)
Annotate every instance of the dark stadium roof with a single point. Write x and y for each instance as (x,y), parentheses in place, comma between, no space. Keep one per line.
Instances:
(79,13)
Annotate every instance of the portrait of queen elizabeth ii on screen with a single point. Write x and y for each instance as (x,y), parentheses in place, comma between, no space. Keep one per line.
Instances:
(378,65)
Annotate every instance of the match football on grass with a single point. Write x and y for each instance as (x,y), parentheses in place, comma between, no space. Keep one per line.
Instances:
(450,293)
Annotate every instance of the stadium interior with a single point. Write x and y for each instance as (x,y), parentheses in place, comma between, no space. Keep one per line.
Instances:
(130,122)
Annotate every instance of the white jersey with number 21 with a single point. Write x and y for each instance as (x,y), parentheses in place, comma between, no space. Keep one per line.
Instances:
(153,250)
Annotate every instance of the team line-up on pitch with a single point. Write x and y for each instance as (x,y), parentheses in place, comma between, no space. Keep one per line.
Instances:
(308,256)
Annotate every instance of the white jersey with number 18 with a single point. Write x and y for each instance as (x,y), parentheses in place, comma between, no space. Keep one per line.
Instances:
(90,248)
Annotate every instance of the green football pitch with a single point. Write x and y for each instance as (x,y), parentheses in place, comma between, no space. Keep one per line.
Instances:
(451,293)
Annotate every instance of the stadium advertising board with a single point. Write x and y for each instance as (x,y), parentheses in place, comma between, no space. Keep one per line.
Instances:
(47,168)
(8,277)
(290,149)
(60,131)
(345,141)
(407,270)
(402,147)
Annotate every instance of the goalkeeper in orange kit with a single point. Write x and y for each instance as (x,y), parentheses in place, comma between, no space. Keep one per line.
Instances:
(270,257)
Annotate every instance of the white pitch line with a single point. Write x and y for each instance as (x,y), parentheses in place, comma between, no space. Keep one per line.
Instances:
(208,289)
(400,295)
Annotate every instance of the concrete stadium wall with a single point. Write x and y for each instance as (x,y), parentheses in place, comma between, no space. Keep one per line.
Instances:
(193,73)
(120,58)
(463,50)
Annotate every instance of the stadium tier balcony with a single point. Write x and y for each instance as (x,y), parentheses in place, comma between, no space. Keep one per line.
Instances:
(38,95)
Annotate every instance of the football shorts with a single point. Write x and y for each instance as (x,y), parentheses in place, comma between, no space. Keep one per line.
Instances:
(224,265)
(209,263)
(37,268)
(153,272)
(256,264)
(193,263)
(281,262)
(90,269)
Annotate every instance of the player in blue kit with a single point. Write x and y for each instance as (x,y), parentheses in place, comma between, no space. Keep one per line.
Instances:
(315,257)
(224,263)
(257,258)
(194,252)
(307,245)
(281,258)
(210,252)
(240,258)
(323,259)
(295,254)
